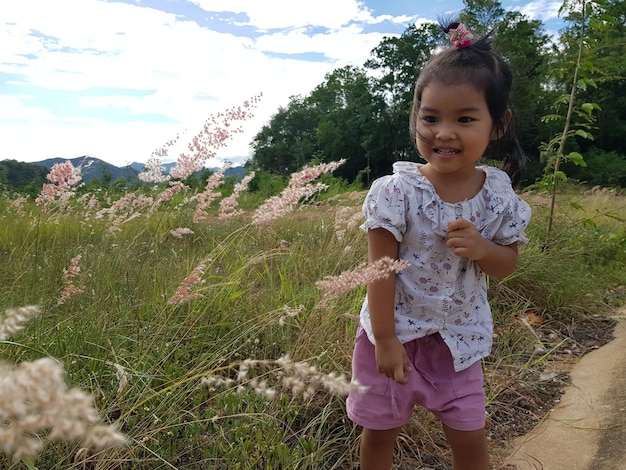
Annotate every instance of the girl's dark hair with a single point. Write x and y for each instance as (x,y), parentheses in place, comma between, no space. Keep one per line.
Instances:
(477,65)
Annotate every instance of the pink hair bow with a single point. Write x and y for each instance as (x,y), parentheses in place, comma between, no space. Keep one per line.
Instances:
(460,36)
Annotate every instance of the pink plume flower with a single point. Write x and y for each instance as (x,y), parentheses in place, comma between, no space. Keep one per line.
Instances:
(216,131)
(69,274)
(333,286)
(153,172)
(299,188)
(206,197)
(63,178)
(184,292)
(228,205)
(181,232)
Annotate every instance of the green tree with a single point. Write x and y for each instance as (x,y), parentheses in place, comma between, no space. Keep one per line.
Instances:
(348,116)
(351,114)
(482,16)
(524,44)
(396,62)
(606,63)
(288,142)
(577,119)
(20,175)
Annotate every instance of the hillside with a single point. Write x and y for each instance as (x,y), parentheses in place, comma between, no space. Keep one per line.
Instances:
(19,175)
(94,168)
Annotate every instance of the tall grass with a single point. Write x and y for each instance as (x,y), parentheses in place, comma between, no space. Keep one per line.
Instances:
(146,360)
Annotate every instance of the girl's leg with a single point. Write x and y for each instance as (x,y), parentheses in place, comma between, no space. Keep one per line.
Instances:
(376,449)
(469,449)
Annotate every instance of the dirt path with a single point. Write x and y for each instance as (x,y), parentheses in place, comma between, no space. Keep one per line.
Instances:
(587,429)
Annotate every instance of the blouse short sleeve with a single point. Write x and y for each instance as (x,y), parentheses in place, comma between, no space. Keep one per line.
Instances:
(515,220)
(508,227)
(384,206)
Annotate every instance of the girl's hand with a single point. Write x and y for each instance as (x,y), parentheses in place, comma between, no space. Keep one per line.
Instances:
(391,359)
(465,240)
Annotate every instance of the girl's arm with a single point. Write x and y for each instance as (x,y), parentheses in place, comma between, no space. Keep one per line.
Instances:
(391,358)
(495,260)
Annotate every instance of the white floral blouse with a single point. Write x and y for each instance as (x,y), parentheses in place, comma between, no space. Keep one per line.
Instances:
(441,292)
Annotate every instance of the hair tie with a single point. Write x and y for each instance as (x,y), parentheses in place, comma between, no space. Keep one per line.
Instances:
(460,36)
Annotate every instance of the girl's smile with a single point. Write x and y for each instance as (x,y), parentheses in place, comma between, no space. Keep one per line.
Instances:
(443,152)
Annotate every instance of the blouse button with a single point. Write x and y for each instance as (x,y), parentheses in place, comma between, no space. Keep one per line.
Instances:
(449,291)
(440,322)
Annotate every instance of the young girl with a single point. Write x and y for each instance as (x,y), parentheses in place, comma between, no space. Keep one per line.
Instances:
(424,331)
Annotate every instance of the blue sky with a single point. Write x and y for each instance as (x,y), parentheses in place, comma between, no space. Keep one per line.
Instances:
(117,79)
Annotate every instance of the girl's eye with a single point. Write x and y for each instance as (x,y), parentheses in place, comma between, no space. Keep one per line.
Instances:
(466,119)
(429,119)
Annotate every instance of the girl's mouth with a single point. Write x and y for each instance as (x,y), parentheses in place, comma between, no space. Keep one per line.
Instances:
(446,151)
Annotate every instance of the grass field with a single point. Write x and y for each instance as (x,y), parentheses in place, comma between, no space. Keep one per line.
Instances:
(214,347)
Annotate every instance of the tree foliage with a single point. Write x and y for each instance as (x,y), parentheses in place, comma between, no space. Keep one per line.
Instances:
(21,176)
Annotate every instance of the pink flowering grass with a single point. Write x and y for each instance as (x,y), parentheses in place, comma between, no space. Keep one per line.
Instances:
(208,195)
(334,286)
(175,339)
(181,232)
(186,291)
(229,204)
(300,188)
(69,275)
(63,179)
(216,132)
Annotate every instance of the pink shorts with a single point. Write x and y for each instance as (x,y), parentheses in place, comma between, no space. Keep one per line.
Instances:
(456,398)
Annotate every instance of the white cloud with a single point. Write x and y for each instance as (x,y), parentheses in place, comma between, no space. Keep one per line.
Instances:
(339,46)
(270,14)
(544,10)
(88,49)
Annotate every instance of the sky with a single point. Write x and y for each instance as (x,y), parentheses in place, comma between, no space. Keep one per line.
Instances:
(117,79)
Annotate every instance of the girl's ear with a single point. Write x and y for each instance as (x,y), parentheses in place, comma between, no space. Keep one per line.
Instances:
(499,131)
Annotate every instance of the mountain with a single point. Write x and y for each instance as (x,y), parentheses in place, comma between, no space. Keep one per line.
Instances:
(94,168)
(19,174)
(140,166)
(237,171)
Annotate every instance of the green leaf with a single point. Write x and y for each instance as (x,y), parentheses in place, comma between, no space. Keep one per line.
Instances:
(597,24)
(236,294)
(608,19)
(551,117)
(582,85)
(588,223)
(560,176)
(576,158)
(587,65)
(575,205)
(584,134)
(589,82)
(587,107)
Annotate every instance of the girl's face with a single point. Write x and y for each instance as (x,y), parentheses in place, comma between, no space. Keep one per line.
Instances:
(454,127)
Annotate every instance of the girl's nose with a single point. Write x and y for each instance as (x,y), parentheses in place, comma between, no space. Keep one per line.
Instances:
(445,131)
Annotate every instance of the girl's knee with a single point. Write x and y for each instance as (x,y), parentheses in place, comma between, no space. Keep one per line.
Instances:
(379,438)
(469,449)
(376,448)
